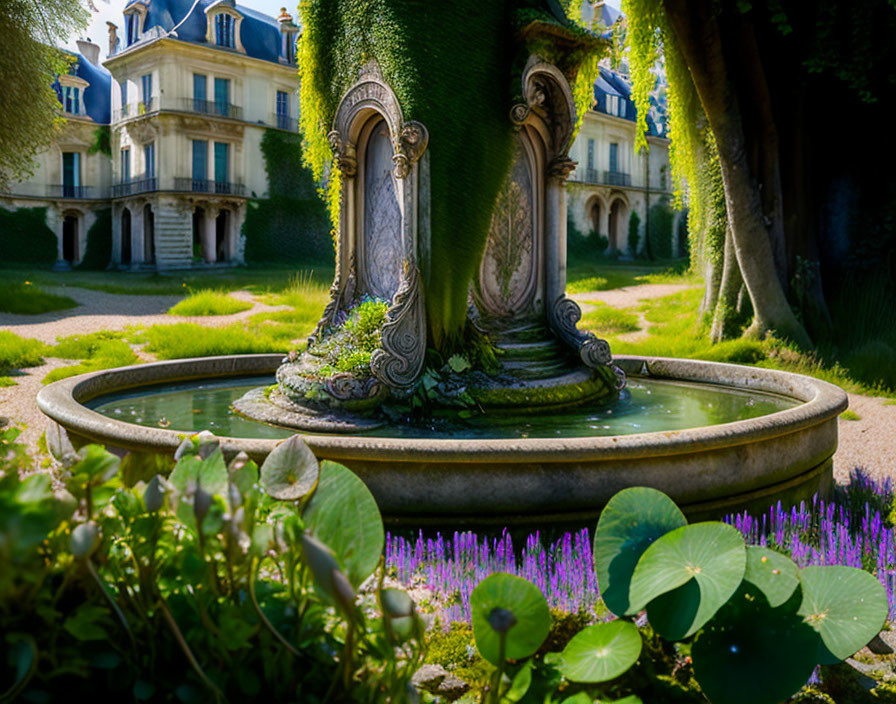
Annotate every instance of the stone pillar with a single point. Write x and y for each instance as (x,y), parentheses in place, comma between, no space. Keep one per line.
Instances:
(209,234)
(136,236)
(116,237)
(555,229)
(237,240)
(605,217)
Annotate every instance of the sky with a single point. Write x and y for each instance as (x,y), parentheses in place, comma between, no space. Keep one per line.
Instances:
(110,11)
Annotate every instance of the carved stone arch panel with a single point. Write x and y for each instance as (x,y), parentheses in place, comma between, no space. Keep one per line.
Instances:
(511,275)
(547,94)
(377,153)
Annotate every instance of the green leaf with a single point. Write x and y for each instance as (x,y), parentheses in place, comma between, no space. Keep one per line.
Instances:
(845,605)
(686,576)
(527,605)
(752,653)
(601,652)
(143,690)
(631,521)
(88,623)
(290,471)
(774,574)
(213,473)
(343,514)
(520,683)
(185,473)
(458,363)
(142,467)
(96,464)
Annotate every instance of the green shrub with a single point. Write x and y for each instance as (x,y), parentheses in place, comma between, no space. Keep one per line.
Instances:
(659,231)
(291,225)
(99,243)
(634,234)
(28,299)
(26,239)
(19,352)
(209,302)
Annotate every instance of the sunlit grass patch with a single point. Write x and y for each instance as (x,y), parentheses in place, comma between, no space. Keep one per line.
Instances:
(849,414)
(606,320)
(209,302)
(20,352)
(605,275)
(27,299)
(183,340)
(6,381)
(98,350)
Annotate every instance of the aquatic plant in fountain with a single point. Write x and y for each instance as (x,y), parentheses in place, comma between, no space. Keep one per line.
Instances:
(446,177)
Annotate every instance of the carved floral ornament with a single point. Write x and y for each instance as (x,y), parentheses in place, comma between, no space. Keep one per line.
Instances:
(547,93)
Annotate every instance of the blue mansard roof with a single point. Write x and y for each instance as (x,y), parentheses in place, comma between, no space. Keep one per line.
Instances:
(259,33)
(97,96)
(610,83)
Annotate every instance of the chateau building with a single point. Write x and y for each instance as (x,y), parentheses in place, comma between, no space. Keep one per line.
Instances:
(187,90)
(162,140)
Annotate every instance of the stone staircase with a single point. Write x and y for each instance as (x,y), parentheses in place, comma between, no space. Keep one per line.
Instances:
(532,352)
(173,239)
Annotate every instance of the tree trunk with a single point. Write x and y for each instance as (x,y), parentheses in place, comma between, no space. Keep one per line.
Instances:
(696,31)
(729,287)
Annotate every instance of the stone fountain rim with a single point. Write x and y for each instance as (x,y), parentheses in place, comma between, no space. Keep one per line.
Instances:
(62,401)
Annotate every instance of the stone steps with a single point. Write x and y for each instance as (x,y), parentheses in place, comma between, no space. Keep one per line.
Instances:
(174,239)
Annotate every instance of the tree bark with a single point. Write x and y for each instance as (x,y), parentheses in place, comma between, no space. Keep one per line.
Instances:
(729,287)
(695,29)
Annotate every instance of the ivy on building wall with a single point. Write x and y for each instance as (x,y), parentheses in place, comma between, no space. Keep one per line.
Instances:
(102,141)
(291,224)
(455,68)
(99,242)
(25,237)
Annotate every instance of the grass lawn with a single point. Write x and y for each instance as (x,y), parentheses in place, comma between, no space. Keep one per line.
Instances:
(606,320)
(209,302)
(606,274)
(260,280)
(99,350)
(675,331)
(19,352)
(24,298)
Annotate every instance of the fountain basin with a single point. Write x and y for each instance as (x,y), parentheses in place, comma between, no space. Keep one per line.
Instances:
(709,471)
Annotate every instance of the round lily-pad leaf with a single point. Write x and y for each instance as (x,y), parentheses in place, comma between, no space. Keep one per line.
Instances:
(601,652)
(774,574)
(751,653)
(686,576)
(530,623)
(290,471)
(631,521)
(845,605)
(343,514)
(85,539)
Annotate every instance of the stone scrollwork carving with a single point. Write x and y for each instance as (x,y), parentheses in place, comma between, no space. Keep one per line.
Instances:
(399,362)
(346,157)
(561,167)
(519,113)
(594,352)
(411,143)
(348,387)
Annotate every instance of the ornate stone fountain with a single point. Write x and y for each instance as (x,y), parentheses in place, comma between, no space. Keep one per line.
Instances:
(517,300)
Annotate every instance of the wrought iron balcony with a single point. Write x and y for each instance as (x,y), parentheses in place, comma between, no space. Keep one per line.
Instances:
(130,188)
(284,122)
(202,185)
(591,176)
(135,109)
(209,107)
(617,178)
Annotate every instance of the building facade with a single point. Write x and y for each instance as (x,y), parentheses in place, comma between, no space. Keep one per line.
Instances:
(166,134)
(611,181)
(187,91)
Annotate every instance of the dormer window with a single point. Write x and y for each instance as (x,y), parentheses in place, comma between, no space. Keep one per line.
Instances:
(71,94)
(224,26)
(133,23)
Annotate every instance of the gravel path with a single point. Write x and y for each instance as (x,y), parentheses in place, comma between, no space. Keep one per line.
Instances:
(869,442)
(98,310)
